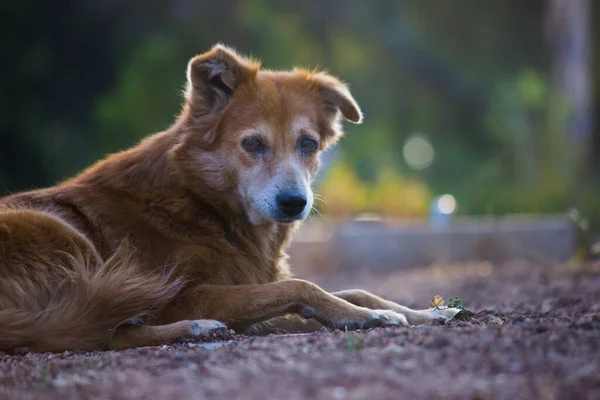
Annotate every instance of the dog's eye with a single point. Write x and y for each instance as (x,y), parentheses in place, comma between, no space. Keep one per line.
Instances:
(253,145)
(309,145)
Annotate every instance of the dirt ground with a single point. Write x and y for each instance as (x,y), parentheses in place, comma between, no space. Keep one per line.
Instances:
(535,335)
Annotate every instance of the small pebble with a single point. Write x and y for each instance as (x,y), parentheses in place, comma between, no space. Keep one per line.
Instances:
(339,392)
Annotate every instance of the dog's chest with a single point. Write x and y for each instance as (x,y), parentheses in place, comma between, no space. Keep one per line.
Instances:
(224,260)
(258,259)
(208,249)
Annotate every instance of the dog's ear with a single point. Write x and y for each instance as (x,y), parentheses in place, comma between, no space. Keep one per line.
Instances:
(214,76)
(338,103)
(337,97)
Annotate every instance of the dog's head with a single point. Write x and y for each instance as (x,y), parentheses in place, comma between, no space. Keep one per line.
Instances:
(254,136)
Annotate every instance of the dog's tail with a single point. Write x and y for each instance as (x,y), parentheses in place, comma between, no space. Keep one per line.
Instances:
(83,306)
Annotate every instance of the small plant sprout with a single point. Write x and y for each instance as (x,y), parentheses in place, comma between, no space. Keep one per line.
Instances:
(456,302)
(453,302)
(354,342)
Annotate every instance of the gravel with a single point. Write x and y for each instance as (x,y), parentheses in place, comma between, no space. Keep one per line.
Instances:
(535,335)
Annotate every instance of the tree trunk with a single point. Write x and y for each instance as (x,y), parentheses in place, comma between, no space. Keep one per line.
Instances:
(568,31)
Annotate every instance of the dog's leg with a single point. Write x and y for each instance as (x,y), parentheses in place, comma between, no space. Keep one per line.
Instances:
(363,298)
(291,323)
(240,306)
(148,335)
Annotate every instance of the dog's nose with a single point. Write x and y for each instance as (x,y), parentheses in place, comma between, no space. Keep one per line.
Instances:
(291,204)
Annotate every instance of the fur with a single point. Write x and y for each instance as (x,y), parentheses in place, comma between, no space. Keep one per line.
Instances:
(183,226)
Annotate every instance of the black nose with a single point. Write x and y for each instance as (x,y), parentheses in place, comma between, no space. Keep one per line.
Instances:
(291,204)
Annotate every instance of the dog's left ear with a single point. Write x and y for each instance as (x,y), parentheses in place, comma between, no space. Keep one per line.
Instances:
(214,76)
(338,97)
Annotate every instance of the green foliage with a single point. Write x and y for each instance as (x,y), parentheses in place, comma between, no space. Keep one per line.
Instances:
(456,302)
(535,162)
(480,91)
(146,96)
(342,194)
(43,375)
(354,342)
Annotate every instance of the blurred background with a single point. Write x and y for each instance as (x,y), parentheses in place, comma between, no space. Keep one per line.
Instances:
(471,107)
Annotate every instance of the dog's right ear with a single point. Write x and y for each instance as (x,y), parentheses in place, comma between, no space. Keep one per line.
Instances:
(214,76)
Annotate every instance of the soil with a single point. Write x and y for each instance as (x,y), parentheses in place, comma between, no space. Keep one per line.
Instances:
(535,335)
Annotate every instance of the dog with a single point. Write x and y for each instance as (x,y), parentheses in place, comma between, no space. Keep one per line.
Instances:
(186,232)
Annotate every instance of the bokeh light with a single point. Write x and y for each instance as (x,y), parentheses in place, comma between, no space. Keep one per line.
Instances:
(446,204)
(418,152)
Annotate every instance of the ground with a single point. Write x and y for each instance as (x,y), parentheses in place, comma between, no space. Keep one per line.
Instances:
(535,335)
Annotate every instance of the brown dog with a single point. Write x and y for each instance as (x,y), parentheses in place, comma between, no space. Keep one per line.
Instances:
(189,227)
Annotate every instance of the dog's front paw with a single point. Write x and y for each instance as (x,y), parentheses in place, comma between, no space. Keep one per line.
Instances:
(383,318)
(368,319)
(433,314)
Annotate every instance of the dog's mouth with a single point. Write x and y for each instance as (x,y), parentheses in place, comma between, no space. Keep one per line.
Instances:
(275,215)
(261,218)
(287,220)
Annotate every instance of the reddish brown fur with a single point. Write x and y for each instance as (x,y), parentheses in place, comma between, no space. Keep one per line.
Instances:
(164,231)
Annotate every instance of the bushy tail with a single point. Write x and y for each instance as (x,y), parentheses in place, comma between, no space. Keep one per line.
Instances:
(82,308)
